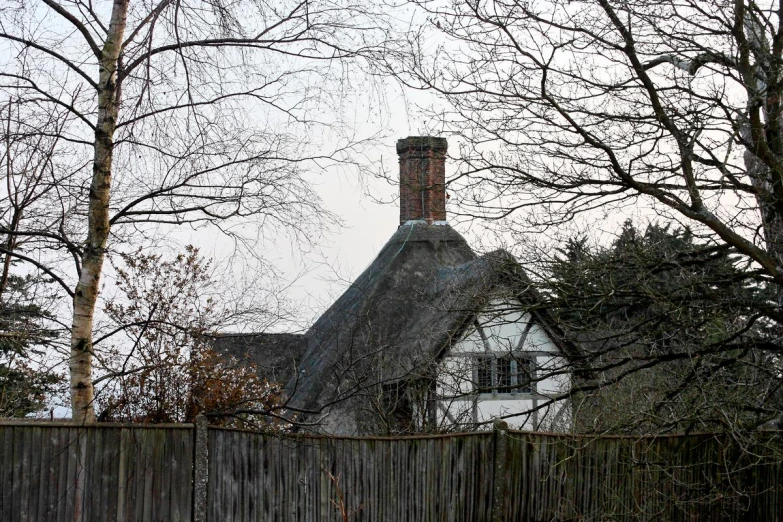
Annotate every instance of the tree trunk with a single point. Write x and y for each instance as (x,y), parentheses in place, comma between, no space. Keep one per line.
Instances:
(10,244)
(771,220)
(82,394)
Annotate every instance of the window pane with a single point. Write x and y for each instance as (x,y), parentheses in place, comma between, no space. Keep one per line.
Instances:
(524,375)
(504,374)
(484,373)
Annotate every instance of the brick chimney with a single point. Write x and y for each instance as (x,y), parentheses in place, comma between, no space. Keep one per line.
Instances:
(422,179)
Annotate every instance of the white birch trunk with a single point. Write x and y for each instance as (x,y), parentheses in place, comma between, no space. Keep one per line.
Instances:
(82,394)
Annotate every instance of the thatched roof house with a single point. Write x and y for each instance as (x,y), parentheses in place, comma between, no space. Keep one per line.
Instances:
(426,334)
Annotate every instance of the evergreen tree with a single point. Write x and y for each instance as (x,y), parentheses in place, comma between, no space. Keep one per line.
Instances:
(670,333)
(25,331)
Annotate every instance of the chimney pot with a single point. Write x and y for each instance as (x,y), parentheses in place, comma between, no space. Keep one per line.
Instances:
(422,178)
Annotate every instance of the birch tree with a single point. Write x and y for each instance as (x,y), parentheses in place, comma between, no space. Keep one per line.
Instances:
(175,113)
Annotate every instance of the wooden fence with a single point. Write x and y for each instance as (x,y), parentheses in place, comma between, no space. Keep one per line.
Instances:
(62,472)
(51,471)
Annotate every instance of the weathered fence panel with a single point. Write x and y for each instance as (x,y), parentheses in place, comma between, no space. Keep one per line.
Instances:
(141,473)
(61,472)
(473,477)
(264,477)
(679,478)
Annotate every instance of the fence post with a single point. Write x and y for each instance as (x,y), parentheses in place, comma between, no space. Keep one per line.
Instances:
(200,469)
(500,429)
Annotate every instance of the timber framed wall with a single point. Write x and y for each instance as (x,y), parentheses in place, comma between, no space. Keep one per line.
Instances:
(107,472)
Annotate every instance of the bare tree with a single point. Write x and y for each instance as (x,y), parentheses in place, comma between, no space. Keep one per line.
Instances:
(576,110)
(598,105)
(30,332)
(171,372)
(191,114)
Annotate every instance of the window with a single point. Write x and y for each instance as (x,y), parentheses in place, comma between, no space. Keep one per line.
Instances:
(484,372)
(511,373)
(395,400)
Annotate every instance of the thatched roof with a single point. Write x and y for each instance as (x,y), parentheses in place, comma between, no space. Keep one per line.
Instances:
(394,323)
(276,355)
(421,292)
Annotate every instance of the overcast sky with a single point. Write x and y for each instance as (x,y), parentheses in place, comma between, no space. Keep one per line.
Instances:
(316,274)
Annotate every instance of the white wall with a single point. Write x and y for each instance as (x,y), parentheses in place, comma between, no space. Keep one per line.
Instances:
(506,330)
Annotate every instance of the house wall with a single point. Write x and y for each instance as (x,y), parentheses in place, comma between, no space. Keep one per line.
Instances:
(501,330)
